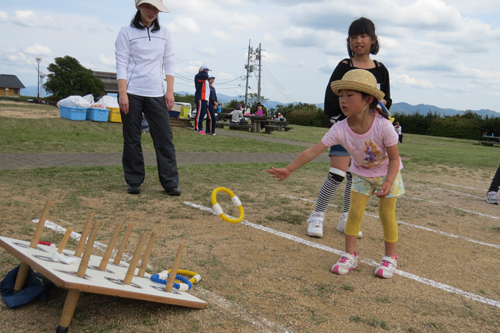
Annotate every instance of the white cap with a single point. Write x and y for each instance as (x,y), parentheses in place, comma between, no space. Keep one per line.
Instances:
(157,3)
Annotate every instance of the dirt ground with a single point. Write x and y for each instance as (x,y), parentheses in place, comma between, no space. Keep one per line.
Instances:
(265,274)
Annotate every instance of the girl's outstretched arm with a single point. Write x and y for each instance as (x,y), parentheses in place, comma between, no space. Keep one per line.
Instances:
(392,171)
(305,157)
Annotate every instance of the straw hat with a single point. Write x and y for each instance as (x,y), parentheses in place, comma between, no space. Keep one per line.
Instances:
(359,80)
(157,3)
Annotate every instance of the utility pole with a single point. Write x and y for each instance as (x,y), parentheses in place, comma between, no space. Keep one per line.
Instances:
(38,59)
(248,72)
(259,56)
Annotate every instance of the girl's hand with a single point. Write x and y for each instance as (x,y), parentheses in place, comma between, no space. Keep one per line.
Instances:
(281,173)
(384,191)
(123,102)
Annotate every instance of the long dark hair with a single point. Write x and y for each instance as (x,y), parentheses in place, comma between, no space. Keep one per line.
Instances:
(363,26)
(137,23)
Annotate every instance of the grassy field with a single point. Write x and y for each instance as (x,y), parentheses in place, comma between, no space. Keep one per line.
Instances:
(252,278)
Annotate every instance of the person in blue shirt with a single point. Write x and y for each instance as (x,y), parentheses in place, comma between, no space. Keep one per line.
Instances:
(212,106)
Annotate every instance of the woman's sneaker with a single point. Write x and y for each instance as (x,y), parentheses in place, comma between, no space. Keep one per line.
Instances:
(346,263)
(341,225)
(315,227)
(387,267)
(492,197)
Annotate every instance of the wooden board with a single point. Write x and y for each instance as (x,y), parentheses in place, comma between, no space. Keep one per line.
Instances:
(108,282)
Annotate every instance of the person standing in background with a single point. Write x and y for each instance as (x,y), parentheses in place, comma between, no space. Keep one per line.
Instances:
(201,97)
(212,107)
(399,130)
(142,48)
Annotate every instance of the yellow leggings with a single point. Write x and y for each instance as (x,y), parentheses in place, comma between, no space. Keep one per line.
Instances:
(387,214)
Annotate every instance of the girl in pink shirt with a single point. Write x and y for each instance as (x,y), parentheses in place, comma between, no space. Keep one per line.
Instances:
(370,139)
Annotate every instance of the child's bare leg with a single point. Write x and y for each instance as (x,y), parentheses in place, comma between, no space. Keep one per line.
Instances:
(390,249)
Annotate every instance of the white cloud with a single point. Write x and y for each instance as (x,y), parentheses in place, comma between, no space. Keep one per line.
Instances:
(38,50)
(409,81)
(221,35)
(272,57)
(3,16)
(224,76)
(29,19)
(106,60)
(184,23)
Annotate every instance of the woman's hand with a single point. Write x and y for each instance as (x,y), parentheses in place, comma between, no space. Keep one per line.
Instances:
(123,102)
(169,100)
(280,173)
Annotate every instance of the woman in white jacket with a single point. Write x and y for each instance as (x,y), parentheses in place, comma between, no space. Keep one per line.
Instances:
(143,53)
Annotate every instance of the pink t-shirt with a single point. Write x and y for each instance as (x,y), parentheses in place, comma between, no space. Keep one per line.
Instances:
(368,151)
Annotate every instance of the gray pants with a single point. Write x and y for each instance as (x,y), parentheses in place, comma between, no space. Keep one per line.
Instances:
(155,110)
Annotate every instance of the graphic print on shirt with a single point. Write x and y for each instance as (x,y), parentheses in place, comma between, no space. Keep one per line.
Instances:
(373,157)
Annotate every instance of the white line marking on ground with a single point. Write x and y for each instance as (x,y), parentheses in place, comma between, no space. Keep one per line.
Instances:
(463,210)
(76,236)
(370,262)
(219,301)
(415,225)
(442,189)
(472,188)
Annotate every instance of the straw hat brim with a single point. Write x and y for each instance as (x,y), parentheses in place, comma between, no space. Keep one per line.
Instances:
(358,86)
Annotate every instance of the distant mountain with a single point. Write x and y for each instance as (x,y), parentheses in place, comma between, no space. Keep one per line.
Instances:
(404,108)
(423,109)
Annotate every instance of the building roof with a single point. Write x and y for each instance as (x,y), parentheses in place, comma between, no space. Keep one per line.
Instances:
(10,81)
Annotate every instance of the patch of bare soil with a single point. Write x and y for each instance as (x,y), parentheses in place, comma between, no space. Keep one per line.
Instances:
(266,275)
(27,110)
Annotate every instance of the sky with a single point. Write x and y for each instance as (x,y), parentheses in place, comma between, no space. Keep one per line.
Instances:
(442,53)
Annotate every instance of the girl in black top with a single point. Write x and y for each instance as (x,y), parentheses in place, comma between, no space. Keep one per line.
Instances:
(361,42)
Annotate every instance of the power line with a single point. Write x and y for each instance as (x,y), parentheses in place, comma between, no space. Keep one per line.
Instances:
(269,71)
(277,85)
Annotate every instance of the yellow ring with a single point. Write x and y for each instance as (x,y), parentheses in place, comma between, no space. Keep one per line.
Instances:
(195,277)
(222,215)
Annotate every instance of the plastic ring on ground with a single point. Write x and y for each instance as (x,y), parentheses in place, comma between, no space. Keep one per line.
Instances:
(236,201)
(195,277)
(179,286)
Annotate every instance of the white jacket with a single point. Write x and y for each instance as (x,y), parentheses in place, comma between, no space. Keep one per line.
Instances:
(141,58)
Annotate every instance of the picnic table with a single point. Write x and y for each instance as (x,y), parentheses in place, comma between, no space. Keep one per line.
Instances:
(255,122)
(489,140)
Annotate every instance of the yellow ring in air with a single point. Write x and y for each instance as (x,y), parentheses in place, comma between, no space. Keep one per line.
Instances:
(222,215)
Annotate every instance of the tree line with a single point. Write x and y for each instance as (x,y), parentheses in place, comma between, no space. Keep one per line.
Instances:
(69,77)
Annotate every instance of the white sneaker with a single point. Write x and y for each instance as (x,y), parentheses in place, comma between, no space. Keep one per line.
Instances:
(341,225)
(345,264)
(315,228)
(387,267)
(492,197)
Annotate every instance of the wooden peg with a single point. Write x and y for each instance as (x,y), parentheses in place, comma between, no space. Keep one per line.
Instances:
(22,275)
(175,268)
(88,250)
(147,254)
(24,269)
(83,238)
(109,249)
(64,240)
(68,310)
(123,244)
(41,224)
(135,260)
